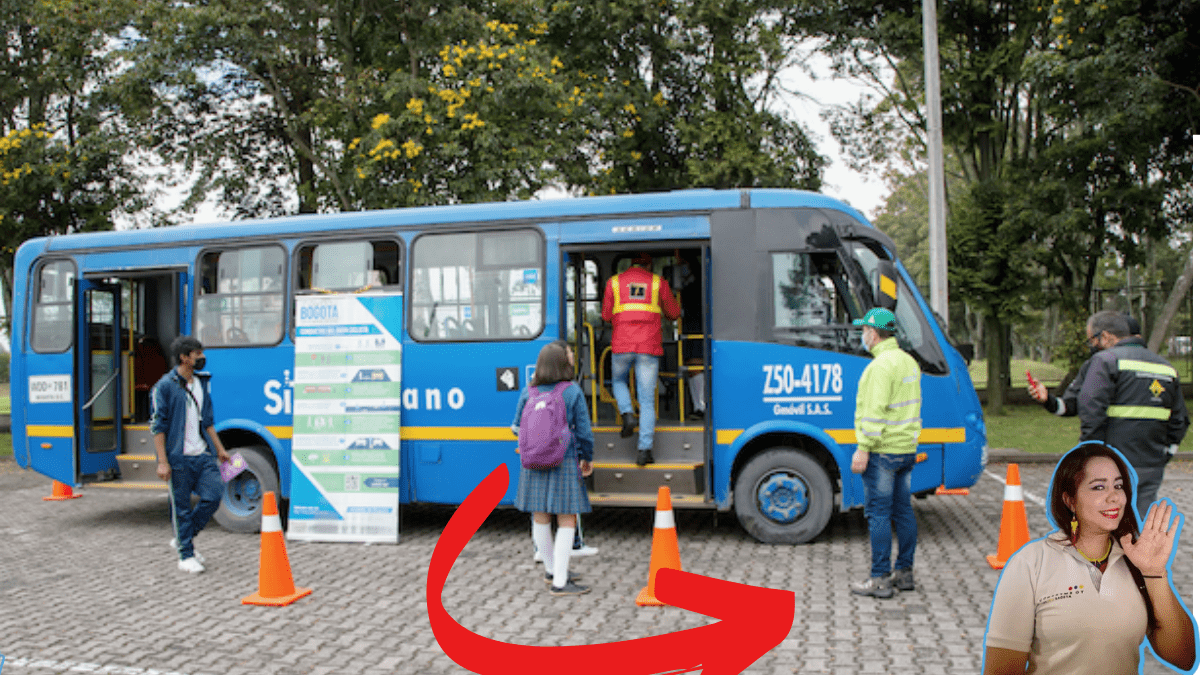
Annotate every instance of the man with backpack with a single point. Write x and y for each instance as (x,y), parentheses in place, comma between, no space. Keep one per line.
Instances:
(634,302)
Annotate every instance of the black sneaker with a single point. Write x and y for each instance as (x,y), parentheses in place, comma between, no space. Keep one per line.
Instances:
(571,578)
(879,587)
(645,457)
(571,588)
(902,580)
(628,424)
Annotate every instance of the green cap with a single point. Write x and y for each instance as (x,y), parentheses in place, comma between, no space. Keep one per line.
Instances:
(878,318)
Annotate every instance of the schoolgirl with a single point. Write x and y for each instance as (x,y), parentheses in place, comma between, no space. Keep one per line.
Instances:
(560,491)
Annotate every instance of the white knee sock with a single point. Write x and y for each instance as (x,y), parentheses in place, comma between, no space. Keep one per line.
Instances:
(541,535)
(563,541)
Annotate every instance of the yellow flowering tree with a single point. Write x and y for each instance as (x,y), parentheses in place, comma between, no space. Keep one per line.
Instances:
(486,122)
(62,166)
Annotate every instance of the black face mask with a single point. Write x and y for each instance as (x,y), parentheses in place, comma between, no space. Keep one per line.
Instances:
(199,364)
(1093,349)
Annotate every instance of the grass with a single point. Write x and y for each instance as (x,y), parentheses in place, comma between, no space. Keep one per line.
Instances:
(1048,373)
(1052,373)
(5,405)
(6,449)
(1032,429)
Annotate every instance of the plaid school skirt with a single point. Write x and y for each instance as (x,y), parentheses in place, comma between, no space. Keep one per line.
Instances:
(557,490)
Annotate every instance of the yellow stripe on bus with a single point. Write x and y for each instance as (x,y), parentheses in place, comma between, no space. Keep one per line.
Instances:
(847,437)
(724,436)
(280,432)
(457,434)
(50,430)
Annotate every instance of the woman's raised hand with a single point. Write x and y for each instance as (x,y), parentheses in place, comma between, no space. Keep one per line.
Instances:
(1152,551)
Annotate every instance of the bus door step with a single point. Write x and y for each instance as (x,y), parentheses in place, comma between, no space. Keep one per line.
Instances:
(686,478)
(138,469)
(648,501)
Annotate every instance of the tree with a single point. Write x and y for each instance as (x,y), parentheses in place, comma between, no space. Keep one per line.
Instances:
(62,151)
(365,104)
(685,95)
(984,47)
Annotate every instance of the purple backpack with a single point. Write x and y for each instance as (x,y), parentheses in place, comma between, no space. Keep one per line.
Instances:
(544,435)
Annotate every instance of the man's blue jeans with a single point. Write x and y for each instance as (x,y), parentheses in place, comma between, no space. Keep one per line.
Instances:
(888,485)
(199,474)
(646,372)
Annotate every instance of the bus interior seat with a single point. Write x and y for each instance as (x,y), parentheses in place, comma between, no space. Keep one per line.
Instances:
(150,363)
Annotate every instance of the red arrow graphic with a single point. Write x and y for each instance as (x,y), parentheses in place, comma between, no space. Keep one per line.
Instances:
(752,619)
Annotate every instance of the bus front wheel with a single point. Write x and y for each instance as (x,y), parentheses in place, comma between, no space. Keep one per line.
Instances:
(241,504)
(783,496)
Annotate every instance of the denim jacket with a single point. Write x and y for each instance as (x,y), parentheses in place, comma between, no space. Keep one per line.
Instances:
(168,404)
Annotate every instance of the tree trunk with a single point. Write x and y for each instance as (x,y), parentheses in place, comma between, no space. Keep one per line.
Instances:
(996,390)
(1182,285)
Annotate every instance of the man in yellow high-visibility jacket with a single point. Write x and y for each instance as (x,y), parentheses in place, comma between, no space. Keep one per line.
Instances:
(887,423)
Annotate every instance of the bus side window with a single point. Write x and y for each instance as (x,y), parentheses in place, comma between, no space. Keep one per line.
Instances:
(54,310)
(478,286)
(240,298)
(348,266)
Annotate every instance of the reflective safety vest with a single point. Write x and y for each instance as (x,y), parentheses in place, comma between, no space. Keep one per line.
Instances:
(635,301)
(887,411)
(636,305)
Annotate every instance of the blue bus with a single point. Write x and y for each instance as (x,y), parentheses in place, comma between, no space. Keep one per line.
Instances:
(757,385)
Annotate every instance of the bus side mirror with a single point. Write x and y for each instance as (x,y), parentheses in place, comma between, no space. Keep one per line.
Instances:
(886,280)
(967,350)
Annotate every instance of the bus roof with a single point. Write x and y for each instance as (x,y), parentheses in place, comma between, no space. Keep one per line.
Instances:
(536,210)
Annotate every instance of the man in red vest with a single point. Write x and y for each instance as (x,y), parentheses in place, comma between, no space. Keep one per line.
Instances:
(635,302)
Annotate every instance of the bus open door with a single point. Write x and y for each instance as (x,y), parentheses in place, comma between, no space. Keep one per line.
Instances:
(100,368)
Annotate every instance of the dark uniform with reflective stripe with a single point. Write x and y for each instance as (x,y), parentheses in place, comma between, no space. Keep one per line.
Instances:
(1131,400)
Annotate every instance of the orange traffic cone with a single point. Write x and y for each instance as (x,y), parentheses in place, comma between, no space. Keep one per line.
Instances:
(1014,528)
(275,585)
(943,490)
(664,552)
(61,491)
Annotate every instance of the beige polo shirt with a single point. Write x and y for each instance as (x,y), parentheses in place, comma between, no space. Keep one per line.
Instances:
(1057,606)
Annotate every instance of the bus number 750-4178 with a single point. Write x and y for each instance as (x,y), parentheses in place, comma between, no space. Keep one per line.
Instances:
(815,378)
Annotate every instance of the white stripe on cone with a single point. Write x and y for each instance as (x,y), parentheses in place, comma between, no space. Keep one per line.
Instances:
(272,523)
(664,520)
(1012,493)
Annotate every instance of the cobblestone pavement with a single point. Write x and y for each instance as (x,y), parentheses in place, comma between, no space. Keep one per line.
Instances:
(89,585)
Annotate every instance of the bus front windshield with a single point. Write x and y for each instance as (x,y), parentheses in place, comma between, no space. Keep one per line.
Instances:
(913,331)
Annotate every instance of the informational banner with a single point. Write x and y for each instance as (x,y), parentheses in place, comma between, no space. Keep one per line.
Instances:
(346,419)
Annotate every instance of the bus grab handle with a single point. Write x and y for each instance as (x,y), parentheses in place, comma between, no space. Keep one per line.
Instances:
(106,384)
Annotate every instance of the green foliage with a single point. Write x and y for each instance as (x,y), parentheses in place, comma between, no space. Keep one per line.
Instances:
(988,252)
(368,105)
(62,154)
(5,357)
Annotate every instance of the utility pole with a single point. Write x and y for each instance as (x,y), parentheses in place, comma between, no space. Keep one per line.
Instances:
(939,293)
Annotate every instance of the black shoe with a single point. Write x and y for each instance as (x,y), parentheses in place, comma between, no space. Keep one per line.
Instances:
(628,424)
(902,580)
(569,589)
(571,578)
(645,457)
(696,416)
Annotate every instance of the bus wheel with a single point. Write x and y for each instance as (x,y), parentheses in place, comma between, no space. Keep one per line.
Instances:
(241,505)
(783,496)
